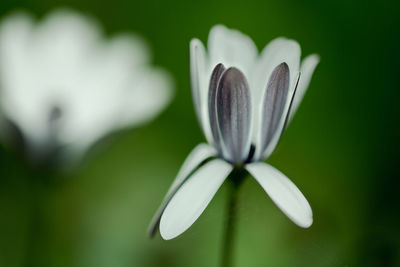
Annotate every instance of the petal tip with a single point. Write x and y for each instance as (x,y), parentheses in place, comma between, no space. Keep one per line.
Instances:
(314,59)
(195,42)
(166,235)
(307,223)
(218,27)
(167,232)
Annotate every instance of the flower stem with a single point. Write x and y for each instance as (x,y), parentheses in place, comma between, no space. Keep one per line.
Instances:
(34,226)
(235,180)
(39,185)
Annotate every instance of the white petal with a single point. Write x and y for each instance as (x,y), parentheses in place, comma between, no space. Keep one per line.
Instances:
(64,39)
(232,48)
(307,68)
(17,76)
(63,62)
(199,82)
(52,69)
(197,156)
(147,97)
(132,92)
(197,68)
(276,52)
(283,193)
(193,197)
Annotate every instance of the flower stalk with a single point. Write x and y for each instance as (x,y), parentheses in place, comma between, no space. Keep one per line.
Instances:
(39,185)
(235,181)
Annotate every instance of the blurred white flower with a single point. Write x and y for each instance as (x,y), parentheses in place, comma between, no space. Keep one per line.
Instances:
(64,86)
(243,102)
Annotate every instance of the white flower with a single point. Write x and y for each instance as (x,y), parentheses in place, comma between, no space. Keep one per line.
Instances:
(64,86)
(243,102)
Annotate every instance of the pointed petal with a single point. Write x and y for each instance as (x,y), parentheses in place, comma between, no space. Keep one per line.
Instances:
(307,69)
(193,197)
(212,99)
(198,155)
(232,48)
(283,193)
(199,80)
(274,103)
(234,114)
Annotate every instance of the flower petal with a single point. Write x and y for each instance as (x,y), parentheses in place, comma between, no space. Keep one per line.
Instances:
(199,80)
(283,193)
(274,103)
(198,155)
(150,95)
(234,114)
(232,48)
(17,73)
(307,68)
(212,99)
(139,92)
(192,198)
(276,52)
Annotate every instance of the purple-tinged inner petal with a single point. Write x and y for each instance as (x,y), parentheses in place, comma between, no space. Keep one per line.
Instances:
(233,109)
(274,103)
(212,99)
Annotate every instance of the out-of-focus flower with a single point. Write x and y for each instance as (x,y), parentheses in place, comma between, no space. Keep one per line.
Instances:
(63,86)
(243,103)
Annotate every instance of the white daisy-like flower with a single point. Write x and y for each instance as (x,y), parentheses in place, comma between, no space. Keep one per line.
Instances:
(243,102)
(64,86)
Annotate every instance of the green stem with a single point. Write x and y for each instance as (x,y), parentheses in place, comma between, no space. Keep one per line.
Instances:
(34,226)
(235,180)
(39,185)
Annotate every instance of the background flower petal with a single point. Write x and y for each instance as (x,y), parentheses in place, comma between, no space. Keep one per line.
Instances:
(63,63)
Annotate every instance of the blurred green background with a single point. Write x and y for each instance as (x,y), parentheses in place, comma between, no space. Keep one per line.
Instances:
(341,150)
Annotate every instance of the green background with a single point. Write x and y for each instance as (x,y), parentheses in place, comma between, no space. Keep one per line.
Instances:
(341,150)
